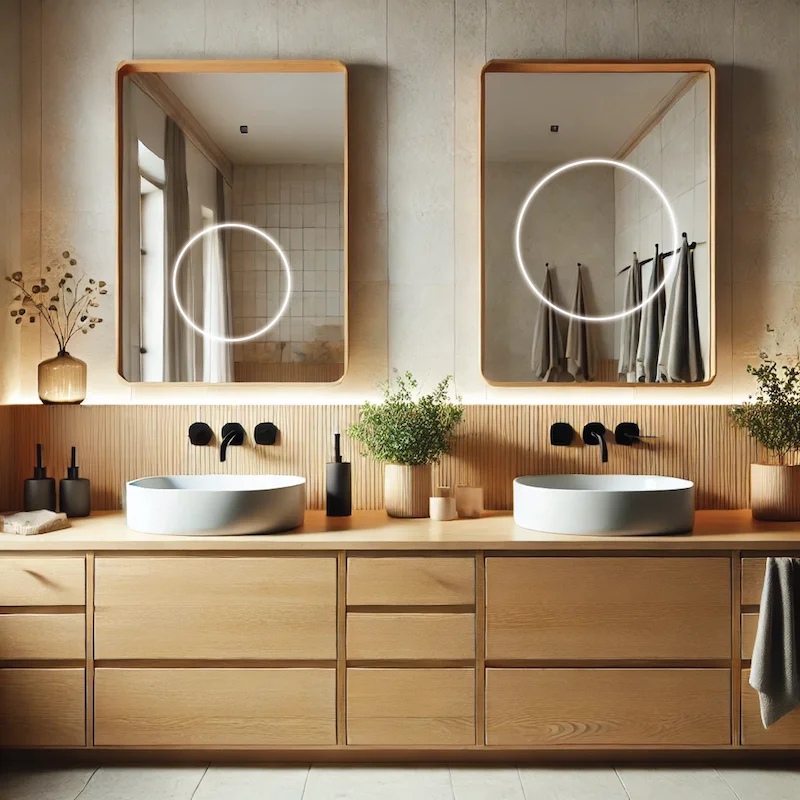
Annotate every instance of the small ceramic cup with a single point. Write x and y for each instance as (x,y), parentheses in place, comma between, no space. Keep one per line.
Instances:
(469,501)
(443,509)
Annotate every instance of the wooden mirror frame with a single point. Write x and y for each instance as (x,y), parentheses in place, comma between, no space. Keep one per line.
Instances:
(523,66)
(128,68)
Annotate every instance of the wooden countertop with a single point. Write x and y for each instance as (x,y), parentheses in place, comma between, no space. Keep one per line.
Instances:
(374,530)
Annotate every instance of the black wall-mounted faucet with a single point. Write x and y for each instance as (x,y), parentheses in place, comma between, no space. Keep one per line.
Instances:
(595,434)
(232,434)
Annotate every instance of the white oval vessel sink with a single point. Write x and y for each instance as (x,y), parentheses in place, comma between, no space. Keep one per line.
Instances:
(215,504)
(604,505)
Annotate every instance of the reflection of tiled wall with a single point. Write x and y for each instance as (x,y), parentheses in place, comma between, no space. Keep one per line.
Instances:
(301,207)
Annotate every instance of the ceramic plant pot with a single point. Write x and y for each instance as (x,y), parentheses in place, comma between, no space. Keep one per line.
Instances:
(407,490)
(62,380)
(775,492)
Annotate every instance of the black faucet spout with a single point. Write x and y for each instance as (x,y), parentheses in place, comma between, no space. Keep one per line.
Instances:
(232,434)
(601,440)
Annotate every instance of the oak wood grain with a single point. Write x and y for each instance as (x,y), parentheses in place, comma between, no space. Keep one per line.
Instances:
(753,570)
(656,707)
(569,608)
(213,608)
(784,732)
(193,707)
(749,630)
(42,636)
(42,581)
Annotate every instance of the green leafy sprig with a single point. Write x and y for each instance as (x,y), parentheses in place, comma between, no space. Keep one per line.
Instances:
(64,303)
(408,427)
(773,417)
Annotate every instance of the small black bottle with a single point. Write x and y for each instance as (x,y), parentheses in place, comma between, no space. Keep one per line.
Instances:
(338,490)
(74,492)
(40,491)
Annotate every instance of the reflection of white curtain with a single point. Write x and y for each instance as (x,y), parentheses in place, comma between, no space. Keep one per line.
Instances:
(217,356)
(131,246)
(179,356)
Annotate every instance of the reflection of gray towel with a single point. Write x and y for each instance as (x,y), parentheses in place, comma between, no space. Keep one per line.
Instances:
(548,347)
(680,358)
(651,327)
(774,671)
(629,329)
(580,352)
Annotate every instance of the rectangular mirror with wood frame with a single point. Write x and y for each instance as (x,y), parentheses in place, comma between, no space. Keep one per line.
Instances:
(233,212)
(597,223)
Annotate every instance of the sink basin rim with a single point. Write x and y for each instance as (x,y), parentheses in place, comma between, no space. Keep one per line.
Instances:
(614,484)
(217,483)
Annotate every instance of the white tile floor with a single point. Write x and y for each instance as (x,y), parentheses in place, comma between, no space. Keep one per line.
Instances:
(396,783)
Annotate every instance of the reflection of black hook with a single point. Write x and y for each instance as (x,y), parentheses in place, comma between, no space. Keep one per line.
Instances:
(684,235)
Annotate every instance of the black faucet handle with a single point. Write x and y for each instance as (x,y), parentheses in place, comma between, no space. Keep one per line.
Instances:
(200,434)
(561,434)
(626,433)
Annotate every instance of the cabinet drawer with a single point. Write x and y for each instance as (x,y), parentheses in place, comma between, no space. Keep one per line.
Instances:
(152,707)
(411,706)
(608,608)
(410,636)
(42,707)
(215,608)
(608,707)
(42,581)
(783,732)
(749,630)
(410,581)
(753,570)
(42,636)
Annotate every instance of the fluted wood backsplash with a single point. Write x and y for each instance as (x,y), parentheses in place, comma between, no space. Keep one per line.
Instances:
(494,445)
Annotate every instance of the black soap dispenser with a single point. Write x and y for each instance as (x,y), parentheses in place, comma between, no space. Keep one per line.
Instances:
(338,488)
(40,491)
(74,492)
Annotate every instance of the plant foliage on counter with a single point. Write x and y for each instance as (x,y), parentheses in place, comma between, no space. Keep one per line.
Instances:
(408,427)
(64,303)
(772,418)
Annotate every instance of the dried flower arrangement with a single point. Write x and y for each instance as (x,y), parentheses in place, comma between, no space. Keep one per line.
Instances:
(67,308)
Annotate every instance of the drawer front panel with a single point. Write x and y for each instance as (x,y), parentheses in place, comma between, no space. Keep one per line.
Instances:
(752,580)
(396,707)
(749,630)
(784,732)
(546,707)
(608,608)
(410,636)
(42,636)
(42,707)
(197,707)
(410,581)
(42,581)
(215,608)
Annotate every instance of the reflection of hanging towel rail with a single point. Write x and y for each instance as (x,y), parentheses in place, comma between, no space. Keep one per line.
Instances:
(666,255)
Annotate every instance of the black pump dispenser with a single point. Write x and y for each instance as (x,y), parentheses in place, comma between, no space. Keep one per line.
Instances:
(75,492)
(40,491)
(338,488)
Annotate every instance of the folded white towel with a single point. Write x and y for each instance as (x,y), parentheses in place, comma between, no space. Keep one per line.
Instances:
(26,523)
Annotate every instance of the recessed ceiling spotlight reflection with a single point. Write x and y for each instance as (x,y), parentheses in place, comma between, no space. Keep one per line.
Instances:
(286,268)
(586,162)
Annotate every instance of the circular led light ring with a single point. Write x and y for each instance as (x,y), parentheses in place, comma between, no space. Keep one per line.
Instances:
(583,163)
(219,226)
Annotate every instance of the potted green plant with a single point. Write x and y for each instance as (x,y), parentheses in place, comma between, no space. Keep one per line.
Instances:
(772,418)
(65,304)
(409,432)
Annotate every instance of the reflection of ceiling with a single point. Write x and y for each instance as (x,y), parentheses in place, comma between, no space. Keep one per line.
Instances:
(596,112)
(292,118)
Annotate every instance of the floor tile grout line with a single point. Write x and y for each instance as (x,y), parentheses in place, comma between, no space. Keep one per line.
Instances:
(521,784)
(94,772)
(722,778)
(450,778)
(205,772)
(622,783)
(305,782)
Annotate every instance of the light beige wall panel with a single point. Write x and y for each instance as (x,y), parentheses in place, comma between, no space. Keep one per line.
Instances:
(601,29)
(244,29)
(470,56)
(521,29)
(169,30)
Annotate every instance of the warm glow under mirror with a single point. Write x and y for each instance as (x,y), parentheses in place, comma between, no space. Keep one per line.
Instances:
(232,221)
(597,190)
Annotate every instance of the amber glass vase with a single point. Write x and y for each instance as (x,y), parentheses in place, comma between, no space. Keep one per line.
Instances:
(62,380)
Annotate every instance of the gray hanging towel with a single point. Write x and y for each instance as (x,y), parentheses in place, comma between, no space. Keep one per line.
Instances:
(629,327)
(774,670)
(581,361)
(652,325)
(680,357)
(547,359)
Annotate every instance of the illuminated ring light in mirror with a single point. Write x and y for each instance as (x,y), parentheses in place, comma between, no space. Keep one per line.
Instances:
(258,232)
(585,162)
